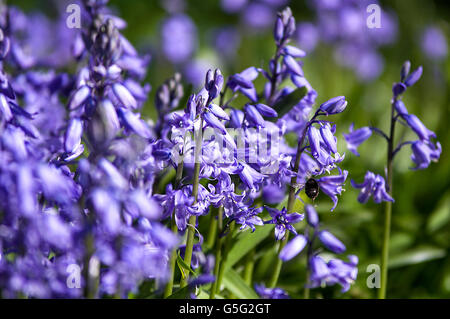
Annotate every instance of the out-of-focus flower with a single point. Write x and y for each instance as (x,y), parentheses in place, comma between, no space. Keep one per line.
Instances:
(434,43)
(179,38)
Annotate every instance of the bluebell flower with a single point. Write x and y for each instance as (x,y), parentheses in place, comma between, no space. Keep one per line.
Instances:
(293,247)
(73,135)
(334,106)
(243,82)
(270,293)
(248,217)
(419,128)
(311,216)
(179,38)
(333,272)
(373,185)
(331,242)
(423,153)
(253,116)
(283,221)
(356,137)
(332,185)
(327,133)
(414,77)
(434,43)
(214,122)
(124,96)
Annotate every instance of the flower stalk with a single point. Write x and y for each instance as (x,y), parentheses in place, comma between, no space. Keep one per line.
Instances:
(291,201)
(173,257)
(193,218)
(388,208)
(218,256)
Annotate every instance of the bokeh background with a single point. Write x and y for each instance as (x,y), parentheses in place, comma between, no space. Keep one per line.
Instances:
(344,58)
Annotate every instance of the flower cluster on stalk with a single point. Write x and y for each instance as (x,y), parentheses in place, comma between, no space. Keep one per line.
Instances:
(83,176)
(424,150)
(322,272)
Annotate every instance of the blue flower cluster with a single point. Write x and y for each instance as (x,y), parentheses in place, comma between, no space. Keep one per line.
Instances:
(424,149)
(333,271)
(95,200)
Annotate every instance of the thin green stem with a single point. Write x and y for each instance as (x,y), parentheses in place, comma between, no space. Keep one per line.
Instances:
(212,232)
(218,259)
(249,266)
(308,257)
(277,269)
(388,210)
(290,206)
(173,257)
(226,250)
(193,218)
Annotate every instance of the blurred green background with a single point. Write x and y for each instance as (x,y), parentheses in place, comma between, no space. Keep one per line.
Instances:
(420,242)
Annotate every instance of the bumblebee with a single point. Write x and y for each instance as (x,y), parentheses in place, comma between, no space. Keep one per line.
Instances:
(312,188)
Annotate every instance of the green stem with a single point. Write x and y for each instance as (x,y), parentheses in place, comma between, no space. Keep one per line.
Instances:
(249,266)
(212,232)
(388,210)
(290,207)
(193,218)
(173,256)
(219,244)
(226,250)
(308,257)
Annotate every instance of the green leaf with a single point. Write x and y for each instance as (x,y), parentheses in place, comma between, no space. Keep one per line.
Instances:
(184,267)
(246,241)
(236,285)
(205,295)
(416,256)
(286,104)
(166,179)
(181,293)
(440,216)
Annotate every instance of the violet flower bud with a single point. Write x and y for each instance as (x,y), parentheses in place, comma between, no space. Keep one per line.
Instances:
(214,122)
(311,216)
(293,248)
(294,51)
(398,88)
(253,116)
(405,70)
(400,107)
(218,111)
(5,110)
(73,134)
(331,242)
(414,76)
(314,141)
(134,123)
(266,110)
(124,96)
(79,97)
(334,106)
(292,65)
(328,137)
(278,32)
